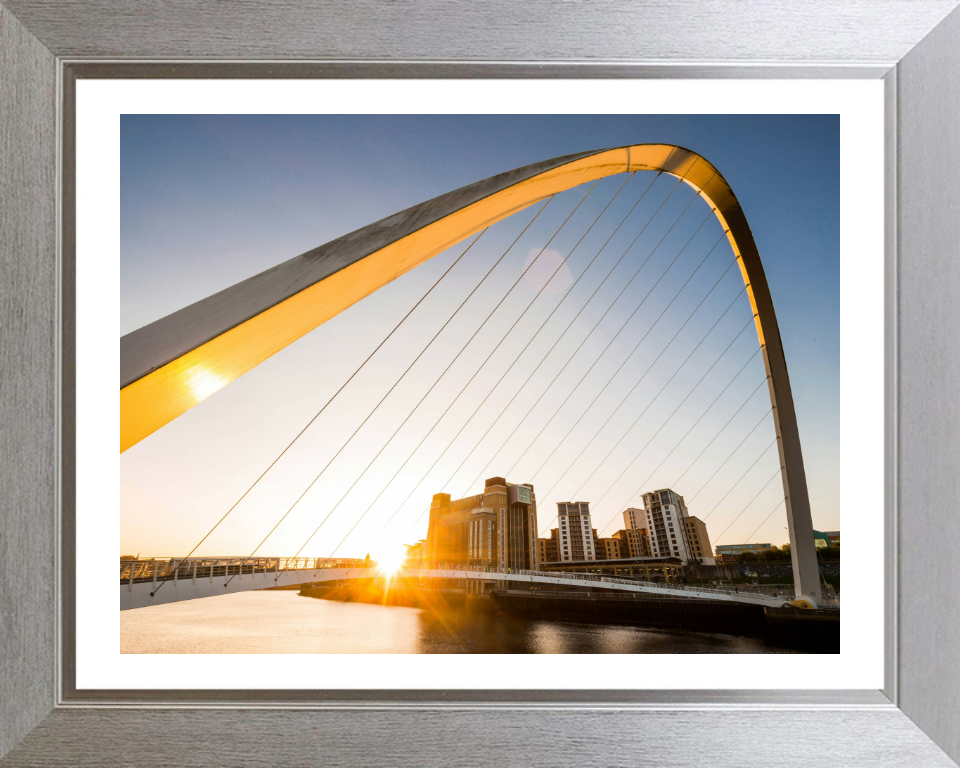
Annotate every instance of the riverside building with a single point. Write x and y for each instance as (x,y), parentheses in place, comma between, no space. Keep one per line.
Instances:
(604,549)
(699,540)
(665,516)
(608,549)
(731,550)
(494,529)
(575,531)
(546,550)
(633,542)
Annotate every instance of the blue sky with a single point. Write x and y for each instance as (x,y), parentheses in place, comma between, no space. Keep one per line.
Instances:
(210,200)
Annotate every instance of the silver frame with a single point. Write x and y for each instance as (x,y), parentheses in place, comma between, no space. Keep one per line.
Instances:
(44,720)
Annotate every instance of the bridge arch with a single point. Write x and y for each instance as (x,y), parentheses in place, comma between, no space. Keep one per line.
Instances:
(169,366)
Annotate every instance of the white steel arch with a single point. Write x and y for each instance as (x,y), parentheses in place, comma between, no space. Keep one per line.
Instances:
(172,364)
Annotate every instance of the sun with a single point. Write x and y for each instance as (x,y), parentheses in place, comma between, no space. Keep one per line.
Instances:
(390,560)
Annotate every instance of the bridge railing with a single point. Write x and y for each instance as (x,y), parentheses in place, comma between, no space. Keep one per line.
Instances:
(172,569)
(592,578)
(175,568)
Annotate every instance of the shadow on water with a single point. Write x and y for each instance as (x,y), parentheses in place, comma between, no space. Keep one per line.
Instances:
(455,631)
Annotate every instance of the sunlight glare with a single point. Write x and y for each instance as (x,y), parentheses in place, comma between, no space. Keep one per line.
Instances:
(391,559)
(203,382)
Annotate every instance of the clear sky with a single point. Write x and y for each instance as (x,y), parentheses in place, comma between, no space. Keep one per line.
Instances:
(210,200)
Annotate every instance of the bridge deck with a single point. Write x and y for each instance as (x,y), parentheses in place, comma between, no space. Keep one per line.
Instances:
(154,582)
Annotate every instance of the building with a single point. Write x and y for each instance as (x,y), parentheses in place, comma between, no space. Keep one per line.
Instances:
(608,549)
(665,514)
(634,519)
(699,540)
(633,542)
(547,548)
(728,550)
(643,543)
(542,545)
(576,533)
(634,538)
(821,540)
(604,549)
(495,529)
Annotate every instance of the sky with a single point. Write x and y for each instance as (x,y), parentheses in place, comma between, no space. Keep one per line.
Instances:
(599,348)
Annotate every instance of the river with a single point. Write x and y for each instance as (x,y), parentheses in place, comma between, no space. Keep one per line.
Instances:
(285,622)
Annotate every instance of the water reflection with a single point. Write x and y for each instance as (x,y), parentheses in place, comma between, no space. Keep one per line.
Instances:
(284,622)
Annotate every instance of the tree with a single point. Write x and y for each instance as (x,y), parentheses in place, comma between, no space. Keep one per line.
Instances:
(830,554)
(771,555)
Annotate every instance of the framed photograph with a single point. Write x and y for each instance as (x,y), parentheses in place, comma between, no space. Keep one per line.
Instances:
(455,417)
(596,326)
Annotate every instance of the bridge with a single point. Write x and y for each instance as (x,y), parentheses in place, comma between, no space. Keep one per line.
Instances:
(192,578)
(171,365)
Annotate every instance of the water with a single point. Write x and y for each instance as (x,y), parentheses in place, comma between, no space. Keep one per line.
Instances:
(285,622)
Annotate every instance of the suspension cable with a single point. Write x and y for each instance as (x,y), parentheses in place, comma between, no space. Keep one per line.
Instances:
(729,384)
(530,266)
(570,358)
(487,359)
(625,361)
(520,355)
(747,540)
(720,432)
(772,478)
(672,414)
(596,360)
(600,356)
(762,454)
(422,351)
(561,337)
(335,394)
(663,389)
(733,452)
(687,433)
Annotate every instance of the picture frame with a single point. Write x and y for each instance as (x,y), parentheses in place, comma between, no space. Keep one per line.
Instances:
(45,48)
